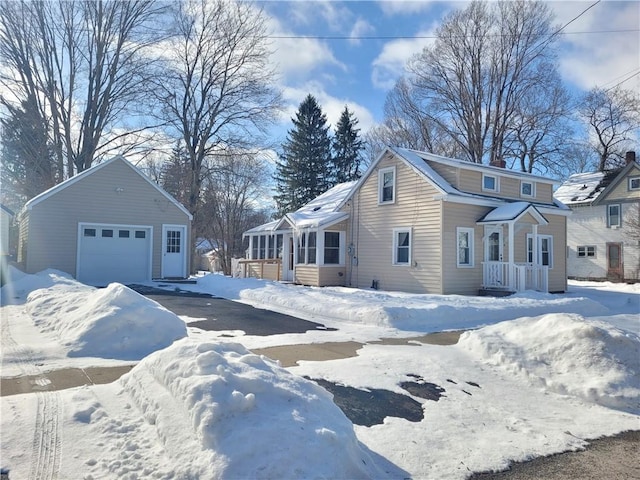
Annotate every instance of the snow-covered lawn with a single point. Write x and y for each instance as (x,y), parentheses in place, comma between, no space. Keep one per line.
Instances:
(537,374)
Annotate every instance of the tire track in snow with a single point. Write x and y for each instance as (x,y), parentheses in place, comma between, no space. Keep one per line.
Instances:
(47,439)
(12,352)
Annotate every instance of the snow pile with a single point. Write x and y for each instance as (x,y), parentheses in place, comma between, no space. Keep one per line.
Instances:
(113,322)
(21,284)
(223,412)
(403,311)
(566,354)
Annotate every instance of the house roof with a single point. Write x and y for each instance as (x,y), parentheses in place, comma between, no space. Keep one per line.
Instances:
(591,187)
(512,212)
(267,227)
(91,171)
(323,210)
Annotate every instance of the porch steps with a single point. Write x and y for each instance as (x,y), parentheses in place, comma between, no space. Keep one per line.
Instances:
(494,292)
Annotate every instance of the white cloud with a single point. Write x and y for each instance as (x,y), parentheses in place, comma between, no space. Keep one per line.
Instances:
(600,59)
(360,28)
(391,8)
(390,64)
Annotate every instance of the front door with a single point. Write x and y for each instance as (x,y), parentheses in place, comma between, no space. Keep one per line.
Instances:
(174,254)
(615,268)
(493,271)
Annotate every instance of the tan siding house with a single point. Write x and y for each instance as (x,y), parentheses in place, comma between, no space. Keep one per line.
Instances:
(603,231)
(109,223)
(417,222)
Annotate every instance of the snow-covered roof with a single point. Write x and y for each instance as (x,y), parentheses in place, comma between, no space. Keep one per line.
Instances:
(323,210)
(266,227)
(512,212)
(581,187)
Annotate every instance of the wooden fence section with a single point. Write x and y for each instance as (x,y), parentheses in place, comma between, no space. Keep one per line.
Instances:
(260,268)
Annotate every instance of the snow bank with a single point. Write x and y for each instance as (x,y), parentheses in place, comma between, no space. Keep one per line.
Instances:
(566,354)
(223,412)
(21,284)
(403,311)
(113,322)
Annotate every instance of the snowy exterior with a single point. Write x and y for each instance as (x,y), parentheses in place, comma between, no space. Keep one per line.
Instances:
(602,233)
(6,216)
(418,222)
(108,223)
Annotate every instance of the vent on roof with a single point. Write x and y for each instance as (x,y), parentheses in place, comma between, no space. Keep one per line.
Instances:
(575,199)
(316,209)
(584,187)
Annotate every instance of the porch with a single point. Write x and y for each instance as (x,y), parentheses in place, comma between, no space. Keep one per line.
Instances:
(514,277)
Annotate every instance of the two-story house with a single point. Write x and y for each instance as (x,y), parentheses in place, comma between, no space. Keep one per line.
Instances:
(603,234)
(418,222)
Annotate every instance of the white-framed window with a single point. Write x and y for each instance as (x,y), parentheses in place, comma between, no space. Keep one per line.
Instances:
(307,248)
(613,215)
(387,185)
(465,247)
(402,246)
(585,251)
(490,183)
(527,189)
(331,248)
(634,183)
(545,250)
(266,246)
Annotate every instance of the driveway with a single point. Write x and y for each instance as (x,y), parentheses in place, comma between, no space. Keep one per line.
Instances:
(220,314)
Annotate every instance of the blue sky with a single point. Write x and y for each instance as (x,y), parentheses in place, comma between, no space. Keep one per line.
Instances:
(360,72)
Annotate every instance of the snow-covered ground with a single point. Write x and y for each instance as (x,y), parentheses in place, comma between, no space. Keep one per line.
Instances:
(536,374)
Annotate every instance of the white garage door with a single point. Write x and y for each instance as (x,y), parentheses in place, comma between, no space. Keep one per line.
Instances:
(109,253)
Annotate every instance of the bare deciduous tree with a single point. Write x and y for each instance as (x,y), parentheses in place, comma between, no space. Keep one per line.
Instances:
(83,63)
(485,59)
(613,117)
(216,90)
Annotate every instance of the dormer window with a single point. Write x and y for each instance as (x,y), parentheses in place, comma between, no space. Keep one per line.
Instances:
(634,183)
(527,189)
(490,183)
(387,185)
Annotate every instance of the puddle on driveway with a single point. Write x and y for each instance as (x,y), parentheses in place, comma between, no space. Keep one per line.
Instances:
(370,407)
(423,389)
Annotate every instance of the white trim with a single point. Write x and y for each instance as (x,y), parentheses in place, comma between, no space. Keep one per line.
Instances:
(631,180)
(394,253)
(90,171)
(488,230)
(488,202)
(471,238)
(619,223)
(83,225)
(537,254)
(381,174)
(533,189)
(342,237)
(183,247)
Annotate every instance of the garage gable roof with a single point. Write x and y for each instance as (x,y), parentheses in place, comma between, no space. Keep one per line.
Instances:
(91,171)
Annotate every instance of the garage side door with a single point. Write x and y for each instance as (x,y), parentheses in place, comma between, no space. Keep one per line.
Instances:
(111,253)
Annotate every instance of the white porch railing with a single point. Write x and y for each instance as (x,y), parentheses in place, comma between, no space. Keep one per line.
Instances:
(515,277)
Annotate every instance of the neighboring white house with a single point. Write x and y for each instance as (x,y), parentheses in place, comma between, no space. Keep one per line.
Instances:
(418,222)
(603,233)
(6,217)
(109,223)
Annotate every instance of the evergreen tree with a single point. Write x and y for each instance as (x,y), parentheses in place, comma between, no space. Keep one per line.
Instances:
(175,174)
(346,148)
(304,169)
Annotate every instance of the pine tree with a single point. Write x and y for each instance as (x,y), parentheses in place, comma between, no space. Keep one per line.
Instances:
(304,169)
(346,148)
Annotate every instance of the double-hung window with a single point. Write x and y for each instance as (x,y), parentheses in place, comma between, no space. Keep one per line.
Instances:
(613,216)
(402,246)
(387,185)
(544,250)
(490,183)
(586,251)
(307,247)
(527,189)
(465,247)
(331,248)
(634,183)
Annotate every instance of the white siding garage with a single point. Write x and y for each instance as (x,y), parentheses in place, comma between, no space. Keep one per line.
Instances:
(114,253)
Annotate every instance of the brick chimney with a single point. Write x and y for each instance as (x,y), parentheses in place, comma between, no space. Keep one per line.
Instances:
(501,163)
(630,157)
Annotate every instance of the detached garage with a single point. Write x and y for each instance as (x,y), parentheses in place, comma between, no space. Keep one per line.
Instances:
(108,224)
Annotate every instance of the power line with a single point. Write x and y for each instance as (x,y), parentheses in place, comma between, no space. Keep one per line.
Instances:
(411,37)
(625,80)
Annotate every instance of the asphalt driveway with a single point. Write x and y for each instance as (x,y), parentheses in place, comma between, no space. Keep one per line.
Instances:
(219,314)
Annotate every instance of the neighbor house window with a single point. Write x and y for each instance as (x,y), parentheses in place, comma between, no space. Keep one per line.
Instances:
(89,232)
(465,247)
(311,248)
(586,251)
(613,216)
(526,189)
(545,250)
(263,242)
(107,233)
(254,246)
(271,247)
(387,185)
(307,248)
(402,246)
(332,248)
(279,244)
(123,233)
(489,183)
(634,183)
(141,234)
